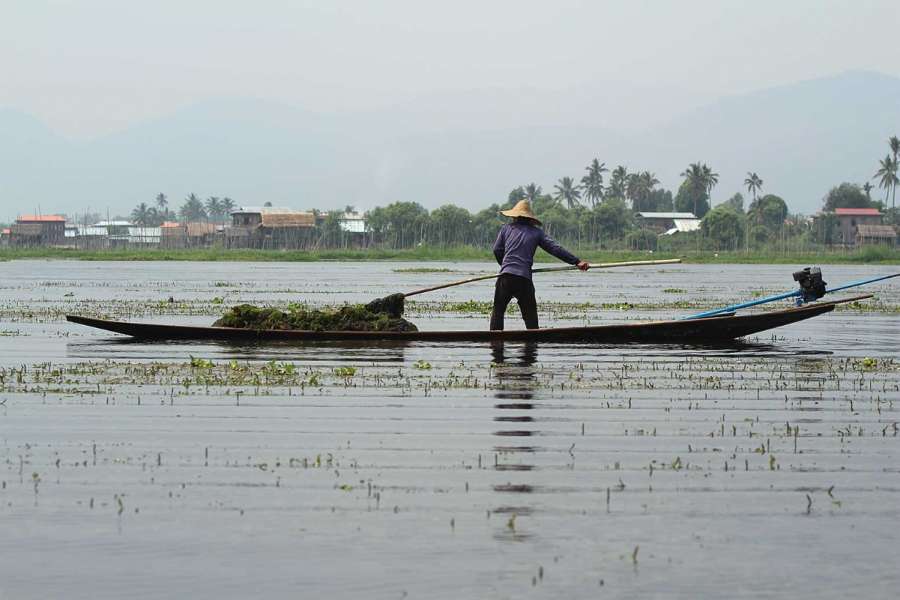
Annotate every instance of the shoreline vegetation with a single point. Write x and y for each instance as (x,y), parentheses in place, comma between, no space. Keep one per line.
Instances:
(868,255)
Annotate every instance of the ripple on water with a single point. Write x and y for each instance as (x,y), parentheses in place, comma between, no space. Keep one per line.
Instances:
(496,472)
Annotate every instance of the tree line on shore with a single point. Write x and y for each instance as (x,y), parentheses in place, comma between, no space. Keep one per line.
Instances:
(213,209)
(597,210)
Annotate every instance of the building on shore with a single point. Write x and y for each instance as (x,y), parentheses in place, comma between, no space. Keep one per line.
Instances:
(848,219)
(353,222)
(188,235)
(172,235)
(30,231)
(143,237)
(4,237)
(354,229)
(867,235)
(110,234)
(118,233)
(667,223)
(87,237)
(270,227)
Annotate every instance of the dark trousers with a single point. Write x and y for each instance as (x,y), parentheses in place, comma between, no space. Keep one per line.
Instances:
(520,288)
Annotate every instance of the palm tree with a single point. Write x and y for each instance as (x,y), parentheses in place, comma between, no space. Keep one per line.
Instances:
(753,183)
(227,206)
(701,179)
(644,184)
(887,175)
(710,179)
(894,181)
(213,208)
(894,143)
(593,181)
(192,209)
(532,191)
(867,188)
(633,190)
(567,191)
(162,203)
(693,175)
(650,180)
(142,215)
(618,180)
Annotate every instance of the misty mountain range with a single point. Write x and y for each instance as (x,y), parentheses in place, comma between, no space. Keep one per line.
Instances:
(470,150)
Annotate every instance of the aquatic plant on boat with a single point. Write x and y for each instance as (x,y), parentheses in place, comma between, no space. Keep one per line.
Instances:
(351,317)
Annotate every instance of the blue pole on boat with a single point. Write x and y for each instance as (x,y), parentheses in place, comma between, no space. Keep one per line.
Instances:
(863,282)
(795,294)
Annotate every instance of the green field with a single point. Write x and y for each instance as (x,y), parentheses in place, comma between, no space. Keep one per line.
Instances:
(874,255)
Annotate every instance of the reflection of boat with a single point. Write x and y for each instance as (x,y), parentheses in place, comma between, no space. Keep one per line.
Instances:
(691,331)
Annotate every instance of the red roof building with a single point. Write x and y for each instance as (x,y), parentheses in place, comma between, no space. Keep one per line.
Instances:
(857,212)
(849,219)
(38,230)
(41,219)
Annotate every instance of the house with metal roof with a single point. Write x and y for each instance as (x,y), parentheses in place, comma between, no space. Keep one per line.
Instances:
(668,223)
(118,234)
(87,237)
(353,222)
(143,236)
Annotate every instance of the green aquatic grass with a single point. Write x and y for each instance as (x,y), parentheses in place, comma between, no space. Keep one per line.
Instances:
(877,377)
(355,317)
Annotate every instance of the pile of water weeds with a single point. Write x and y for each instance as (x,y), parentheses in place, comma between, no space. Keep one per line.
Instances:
(350,317)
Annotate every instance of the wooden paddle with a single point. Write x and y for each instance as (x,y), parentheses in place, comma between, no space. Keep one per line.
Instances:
(393,304)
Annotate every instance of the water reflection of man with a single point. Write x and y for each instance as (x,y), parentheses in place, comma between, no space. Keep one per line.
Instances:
(526,358)
(516,381)
(515,392)
(514,250)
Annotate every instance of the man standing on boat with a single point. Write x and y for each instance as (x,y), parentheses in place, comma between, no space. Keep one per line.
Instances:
(514,249)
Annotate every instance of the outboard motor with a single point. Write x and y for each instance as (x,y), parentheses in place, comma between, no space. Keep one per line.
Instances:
(811,285)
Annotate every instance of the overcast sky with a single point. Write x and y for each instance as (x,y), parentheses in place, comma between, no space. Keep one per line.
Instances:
(89,67)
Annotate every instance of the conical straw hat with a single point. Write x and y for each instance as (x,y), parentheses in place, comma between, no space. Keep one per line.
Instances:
(521,209)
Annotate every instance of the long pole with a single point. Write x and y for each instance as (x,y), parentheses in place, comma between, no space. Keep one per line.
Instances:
(785,295)
(632,263)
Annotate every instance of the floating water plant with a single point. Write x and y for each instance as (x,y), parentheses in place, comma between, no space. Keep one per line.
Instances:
(866,364)
(201,363)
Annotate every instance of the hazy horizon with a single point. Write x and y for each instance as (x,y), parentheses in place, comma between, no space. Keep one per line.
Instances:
(95,71)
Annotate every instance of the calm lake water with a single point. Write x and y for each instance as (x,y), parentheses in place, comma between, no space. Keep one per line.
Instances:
(765,469)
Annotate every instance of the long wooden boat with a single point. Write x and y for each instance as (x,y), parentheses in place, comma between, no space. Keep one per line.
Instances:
(693,331)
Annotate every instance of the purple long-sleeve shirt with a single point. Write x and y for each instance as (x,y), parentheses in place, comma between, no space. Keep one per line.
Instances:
(516,244)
